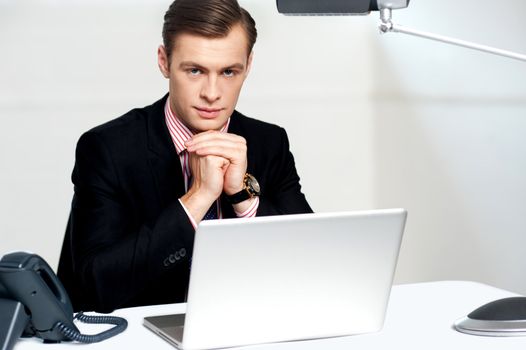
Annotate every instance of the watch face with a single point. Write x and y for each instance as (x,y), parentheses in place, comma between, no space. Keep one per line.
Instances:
(253,185)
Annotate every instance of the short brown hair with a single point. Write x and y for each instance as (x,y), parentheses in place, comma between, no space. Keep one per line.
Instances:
(208,18)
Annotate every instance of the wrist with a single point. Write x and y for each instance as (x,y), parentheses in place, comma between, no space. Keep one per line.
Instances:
(229,191)
(201,195)
(197,203)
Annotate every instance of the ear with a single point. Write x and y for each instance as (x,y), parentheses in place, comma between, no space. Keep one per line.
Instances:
(162,61)
(249,63)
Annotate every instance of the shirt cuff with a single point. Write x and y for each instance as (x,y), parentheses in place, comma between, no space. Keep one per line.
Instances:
(251,211)
(192,221)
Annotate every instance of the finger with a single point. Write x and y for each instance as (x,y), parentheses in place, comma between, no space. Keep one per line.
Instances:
(215,135)
(204,167)
(235,154)
(224,147)
(209,161)
(215,143)
(216,161)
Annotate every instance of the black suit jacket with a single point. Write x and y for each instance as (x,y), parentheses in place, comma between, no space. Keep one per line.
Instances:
(129,241)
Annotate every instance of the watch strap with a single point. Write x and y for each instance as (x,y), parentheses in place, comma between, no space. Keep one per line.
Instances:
(239,197)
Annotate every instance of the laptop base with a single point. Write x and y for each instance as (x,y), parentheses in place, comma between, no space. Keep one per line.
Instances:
(169,327)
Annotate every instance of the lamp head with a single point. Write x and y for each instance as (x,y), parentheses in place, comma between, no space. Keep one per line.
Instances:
(337,7)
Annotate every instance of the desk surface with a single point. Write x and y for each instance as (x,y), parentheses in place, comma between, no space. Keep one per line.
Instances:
(419,315)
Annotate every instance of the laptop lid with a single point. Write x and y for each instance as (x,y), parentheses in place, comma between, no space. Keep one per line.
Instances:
(290,277)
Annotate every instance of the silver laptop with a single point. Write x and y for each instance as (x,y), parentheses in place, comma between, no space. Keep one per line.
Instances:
(283,278)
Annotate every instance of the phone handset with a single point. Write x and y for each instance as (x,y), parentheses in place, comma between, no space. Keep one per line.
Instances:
(33,302)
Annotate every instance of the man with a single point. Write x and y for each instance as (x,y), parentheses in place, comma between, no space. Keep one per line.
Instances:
(145,180)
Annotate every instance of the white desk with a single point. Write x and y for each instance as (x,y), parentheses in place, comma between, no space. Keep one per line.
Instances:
(419,316)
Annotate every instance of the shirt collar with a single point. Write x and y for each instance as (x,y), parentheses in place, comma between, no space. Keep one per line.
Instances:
(178,131)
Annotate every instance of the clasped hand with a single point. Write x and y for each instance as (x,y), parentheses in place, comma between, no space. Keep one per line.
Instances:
(218,163)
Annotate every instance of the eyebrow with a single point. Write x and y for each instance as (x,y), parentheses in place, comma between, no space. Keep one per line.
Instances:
(185,64)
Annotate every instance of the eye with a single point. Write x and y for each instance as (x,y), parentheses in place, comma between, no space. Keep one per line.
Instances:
(229,73)
(194,71)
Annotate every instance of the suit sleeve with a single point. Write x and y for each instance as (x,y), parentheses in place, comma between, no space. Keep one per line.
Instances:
(114,257)
(281,194)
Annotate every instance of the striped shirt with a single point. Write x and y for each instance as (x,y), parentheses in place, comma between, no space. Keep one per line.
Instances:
(180,134)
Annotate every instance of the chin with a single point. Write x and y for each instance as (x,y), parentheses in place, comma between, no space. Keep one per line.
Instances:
(206,125)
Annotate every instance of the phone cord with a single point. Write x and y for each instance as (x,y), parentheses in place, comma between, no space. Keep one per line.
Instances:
(119,322)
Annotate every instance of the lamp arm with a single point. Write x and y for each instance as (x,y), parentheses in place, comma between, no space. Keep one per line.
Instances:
(387,26)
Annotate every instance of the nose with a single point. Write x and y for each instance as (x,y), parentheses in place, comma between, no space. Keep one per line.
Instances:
(210,90)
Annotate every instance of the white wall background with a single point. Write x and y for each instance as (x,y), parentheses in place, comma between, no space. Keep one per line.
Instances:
(374,121)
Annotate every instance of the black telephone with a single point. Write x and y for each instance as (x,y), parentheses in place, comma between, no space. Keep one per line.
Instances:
(33,302)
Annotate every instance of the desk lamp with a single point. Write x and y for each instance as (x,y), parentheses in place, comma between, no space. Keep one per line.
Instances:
(503,317)
(385,7)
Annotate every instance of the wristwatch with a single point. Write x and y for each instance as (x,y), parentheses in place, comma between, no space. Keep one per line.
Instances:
(250,189)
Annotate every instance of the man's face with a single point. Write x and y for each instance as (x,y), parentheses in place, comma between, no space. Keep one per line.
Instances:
(206,76)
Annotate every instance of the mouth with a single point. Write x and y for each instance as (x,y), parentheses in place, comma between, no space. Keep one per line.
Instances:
(208,113)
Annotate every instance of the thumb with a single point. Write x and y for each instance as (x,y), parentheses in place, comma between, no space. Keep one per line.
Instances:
(225,165)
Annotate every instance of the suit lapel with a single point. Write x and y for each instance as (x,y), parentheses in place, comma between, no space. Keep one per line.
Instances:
(162,156)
